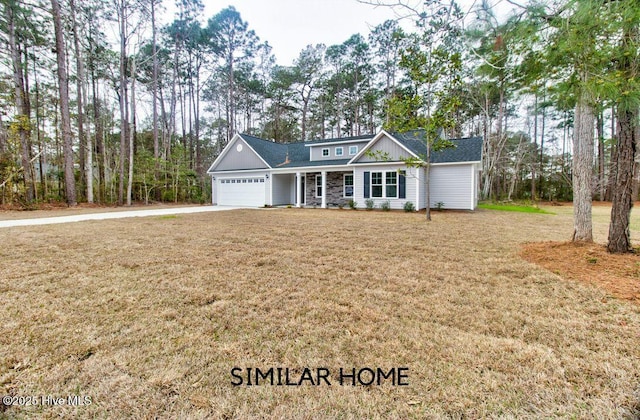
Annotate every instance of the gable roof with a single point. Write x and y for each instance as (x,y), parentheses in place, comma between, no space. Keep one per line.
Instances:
(382,134)
(270,152)
(467,149)
(228,147)
(294,155)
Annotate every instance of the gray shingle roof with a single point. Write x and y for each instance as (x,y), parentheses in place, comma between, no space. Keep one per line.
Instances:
(272,153)
(464,150)
(293,155)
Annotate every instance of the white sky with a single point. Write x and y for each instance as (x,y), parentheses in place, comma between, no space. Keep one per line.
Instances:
(291,25)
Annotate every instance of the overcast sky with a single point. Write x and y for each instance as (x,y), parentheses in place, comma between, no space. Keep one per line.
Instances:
(291,25)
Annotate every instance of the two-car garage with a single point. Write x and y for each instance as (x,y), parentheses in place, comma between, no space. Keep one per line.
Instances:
(240,191)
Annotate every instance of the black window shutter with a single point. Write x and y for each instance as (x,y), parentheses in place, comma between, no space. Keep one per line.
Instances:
(366,185)
(402,185)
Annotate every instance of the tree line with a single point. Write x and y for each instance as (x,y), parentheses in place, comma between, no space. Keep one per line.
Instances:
(100,102)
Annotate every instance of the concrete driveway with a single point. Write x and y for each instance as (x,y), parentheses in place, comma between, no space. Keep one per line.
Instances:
(111,215)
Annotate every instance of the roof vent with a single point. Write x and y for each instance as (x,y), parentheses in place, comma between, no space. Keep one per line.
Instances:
(286,160)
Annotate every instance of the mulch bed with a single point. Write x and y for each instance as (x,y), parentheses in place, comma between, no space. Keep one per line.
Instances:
(589,263)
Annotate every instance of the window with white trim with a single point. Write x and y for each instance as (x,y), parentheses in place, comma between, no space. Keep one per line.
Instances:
(325,152)
(384,184)
(318,186)
(353,150)
(376,184)
(391,185)
(348,185)
(339,151)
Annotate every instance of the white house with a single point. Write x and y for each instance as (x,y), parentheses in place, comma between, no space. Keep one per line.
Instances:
(255,172)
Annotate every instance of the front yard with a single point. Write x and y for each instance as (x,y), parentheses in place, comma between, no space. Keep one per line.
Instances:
(147,317)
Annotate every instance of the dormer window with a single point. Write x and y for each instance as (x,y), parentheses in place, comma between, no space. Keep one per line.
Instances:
(339,151)
(325,152)
(353,150)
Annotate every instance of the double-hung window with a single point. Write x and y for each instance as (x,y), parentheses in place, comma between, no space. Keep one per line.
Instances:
(318,186)
(385,184)
(376,184)
(391,185)
(348,185)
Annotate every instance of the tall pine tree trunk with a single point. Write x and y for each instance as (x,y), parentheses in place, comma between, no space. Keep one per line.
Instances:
(582,168)
(63,86)
(627,143)
(154,89)
(22,102)
(622,199)
(124,117)
(132,132)
(86,148)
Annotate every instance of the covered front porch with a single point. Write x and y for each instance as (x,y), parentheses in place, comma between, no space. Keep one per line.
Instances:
(319,188)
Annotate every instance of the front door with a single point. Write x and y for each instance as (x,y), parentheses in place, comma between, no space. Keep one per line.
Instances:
(303,190)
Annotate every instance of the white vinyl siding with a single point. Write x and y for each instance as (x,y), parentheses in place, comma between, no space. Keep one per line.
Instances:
(396,203)
(283,189)
(453,186)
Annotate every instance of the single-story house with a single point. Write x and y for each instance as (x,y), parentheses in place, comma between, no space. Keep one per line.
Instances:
(326,173)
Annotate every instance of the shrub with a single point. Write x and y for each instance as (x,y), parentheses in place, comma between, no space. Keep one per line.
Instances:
(385,205)
(370,204)
(353,205)
(409,207)
(439,206)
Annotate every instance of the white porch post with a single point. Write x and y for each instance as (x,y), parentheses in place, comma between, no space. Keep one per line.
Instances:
(418,186)
(213,190)
(298,189)
(324,190)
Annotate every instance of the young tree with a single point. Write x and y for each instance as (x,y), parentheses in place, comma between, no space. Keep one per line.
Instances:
(434,66)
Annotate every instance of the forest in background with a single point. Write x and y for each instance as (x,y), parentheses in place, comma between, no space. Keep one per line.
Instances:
(140,117)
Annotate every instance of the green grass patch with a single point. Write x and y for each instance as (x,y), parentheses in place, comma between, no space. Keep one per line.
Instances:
(168,216)
(513,207)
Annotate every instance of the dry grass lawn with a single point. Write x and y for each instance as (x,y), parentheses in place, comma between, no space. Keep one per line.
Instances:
(148,316)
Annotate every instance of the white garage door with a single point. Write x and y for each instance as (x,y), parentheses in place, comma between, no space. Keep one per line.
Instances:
(248,192)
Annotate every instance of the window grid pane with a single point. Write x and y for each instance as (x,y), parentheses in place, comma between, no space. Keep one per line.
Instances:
(348,185)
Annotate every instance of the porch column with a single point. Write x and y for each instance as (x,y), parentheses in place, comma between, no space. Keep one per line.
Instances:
(324,190)
(298,189)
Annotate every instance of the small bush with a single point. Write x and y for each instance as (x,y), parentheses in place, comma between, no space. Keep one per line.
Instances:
(370,204)
(439,206)
(353,205)
(385,205)
(409,207)
(340,206)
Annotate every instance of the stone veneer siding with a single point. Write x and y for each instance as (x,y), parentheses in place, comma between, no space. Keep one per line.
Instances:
(335,189)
